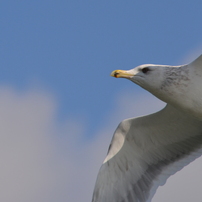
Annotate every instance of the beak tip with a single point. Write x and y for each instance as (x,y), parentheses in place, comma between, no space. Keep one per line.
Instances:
(121,74)
(113,74)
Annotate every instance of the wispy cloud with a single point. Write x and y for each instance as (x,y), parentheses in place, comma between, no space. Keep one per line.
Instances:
(47,161)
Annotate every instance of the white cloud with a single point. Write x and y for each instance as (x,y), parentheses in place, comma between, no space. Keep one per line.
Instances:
(46,161)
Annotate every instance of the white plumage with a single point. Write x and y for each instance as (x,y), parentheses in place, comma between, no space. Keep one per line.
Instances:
(145,151)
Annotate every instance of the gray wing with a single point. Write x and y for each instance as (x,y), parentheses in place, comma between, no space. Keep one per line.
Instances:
(144,152)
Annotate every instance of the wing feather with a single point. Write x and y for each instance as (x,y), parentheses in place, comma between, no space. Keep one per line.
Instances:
(144,152)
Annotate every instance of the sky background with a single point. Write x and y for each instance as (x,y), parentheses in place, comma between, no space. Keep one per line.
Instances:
(58,105)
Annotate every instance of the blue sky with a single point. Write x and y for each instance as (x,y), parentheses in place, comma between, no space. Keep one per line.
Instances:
(65,51)
(70,47)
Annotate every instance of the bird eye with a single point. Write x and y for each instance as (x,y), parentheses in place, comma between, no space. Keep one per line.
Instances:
(145,70)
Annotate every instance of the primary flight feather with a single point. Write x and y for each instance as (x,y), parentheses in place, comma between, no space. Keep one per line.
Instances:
(145,151)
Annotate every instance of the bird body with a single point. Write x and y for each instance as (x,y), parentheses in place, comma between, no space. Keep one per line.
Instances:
(146,150)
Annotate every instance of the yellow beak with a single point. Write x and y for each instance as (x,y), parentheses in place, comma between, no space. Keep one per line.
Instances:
(121,74)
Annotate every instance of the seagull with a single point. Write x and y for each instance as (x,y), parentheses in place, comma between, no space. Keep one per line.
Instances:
(145,151)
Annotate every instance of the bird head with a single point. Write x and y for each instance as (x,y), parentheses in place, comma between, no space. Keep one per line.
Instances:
(149,76)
